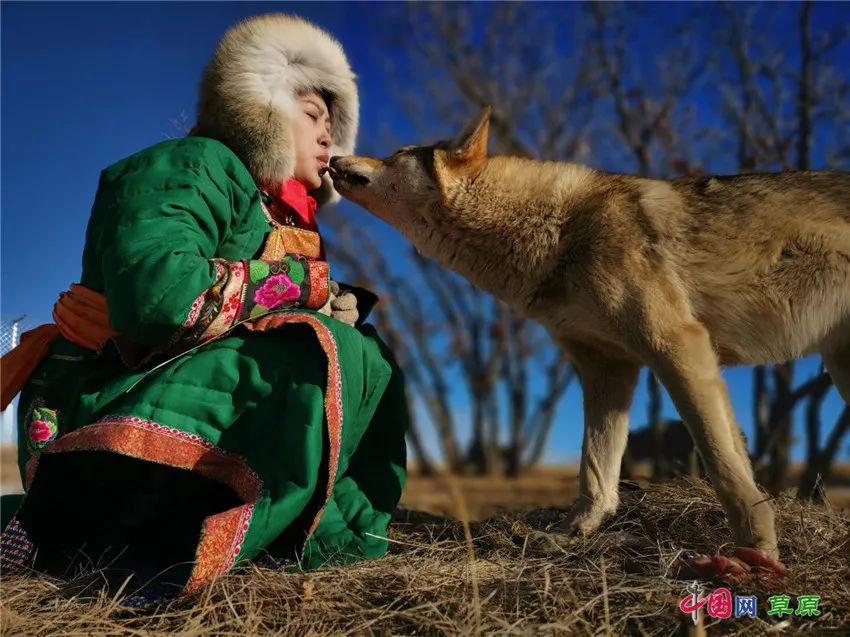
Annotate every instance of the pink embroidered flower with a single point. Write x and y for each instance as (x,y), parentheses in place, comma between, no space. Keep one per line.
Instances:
(232,304)
(276,290)
(41,432)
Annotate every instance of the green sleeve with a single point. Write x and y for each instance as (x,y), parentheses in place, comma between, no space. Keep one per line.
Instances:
(161,219)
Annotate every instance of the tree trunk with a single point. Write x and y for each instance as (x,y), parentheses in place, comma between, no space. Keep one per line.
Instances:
(781,451)
(833,444)
(804,106)
(660,466)
(761,410)
(813,471)
(476,456)
(423,463)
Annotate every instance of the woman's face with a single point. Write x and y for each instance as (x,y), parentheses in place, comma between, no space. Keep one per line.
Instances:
(312,131)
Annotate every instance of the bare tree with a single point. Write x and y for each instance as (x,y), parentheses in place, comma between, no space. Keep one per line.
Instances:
(513,377)
(446,334)
(774,111)
(653,131)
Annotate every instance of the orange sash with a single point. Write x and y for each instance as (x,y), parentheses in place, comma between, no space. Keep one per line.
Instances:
(80,315)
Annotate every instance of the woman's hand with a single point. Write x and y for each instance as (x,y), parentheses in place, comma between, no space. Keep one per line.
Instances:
(343,307)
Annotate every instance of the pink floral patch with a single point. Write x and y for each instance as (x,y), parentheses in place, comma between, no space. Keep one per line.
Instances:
(41,432)
(43,427)
(276,290)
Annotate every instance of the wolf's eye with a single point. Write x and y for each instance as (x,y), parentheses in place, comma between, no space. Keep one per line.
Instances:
(401,151)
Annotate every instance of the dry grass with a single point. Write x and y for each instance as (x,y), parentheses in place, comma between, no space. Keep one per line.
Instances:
(433,582)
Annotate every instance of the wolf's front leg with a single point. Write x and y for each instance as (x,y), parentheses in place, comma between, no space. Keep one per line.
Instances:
(607,386)
(688,368)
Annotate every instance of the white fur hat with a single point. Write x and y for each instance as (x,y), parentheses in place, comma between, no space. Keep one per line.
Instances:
(250,87)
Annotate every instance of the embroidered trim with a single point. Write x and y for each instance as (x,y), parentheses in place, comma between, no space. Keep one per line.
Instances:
(206,308)
(221,541)
(318,284)
(195,310)
(222,534)
(15,546)
(267,212)
(333,402)
(277,212)
(232,298)
(146,440)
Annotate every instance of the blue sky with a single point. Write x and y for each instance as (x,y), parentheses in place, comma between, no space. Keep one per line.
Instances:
(86,84)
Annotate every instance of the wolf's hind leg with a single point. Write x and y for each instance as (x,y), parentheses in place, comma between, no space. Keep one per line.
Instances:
(607,386)
(687,366)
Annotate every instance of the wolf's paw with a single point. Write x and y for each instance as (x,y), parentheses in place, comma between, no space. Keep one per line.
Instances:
(585,517)
(548,543)
(766,547)
(569,533)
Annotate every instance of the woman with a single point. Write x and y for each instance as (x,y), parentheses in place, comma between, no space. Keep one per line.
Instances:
(205,395)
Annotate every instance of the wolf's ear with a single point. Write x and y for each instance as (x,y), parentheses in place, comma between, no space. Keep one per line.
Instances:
(468,151)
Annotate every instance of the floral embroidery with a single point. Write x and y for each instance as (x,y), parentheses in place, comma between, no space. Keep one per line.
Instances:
(230,297)
(277,285)
(205,296)
(205,309)
(276,290)
(257,271)
(295,268)
(195,310)
(42,432)
(248,289)
(43,426)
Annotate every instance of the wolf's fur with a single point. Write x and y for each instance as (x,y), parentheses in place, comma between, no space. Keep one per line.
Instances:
(682,276)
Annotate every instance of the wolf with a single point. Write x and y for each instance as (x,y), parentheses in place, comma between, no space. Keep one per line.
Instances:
(682,276)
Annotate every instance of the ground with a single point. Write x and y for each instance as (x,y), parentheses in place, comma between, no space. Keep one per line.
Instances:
(493,576)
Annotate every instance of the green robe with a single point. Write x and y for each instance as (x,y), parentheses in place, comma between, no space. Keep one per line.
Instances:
(191,431)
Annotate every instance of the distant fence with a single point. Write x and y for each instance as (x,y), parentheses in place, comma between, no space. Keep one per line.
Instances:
(10,336)
(10,332)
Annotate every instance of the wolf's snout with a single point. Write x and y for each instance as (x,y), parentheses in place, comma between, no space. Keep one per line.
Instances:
(341,162)
(344,170)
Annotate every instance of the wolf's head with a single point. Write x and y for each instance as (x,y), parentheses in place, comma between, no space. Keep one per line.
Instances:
(498,221)
(414,188)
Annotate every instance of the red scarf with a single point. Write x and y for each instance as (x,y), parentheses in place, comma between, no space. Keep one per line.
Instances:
(294,194)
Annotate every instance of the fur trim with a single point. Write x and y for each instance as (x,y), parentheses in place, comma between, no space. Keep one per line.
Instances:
(250,87)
